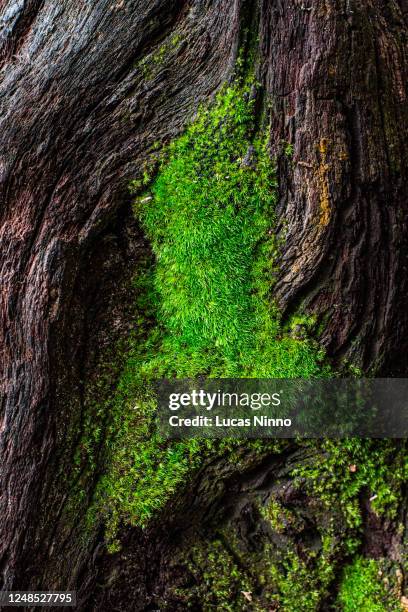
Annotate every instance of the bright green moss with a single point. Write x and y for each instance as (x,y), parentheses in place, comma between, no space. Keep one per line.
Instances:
(205,303)
(228,576)
(278,516)
(364,590)
(299,582)
(289,149)
(339,472)
(205,306)
(299,587)
(210,219)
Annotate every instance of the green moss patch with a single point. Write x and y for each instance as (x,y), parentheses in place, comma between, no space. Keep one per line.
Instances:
(205,306)
(365,588)
(339,472)
(210,219)
(205,301)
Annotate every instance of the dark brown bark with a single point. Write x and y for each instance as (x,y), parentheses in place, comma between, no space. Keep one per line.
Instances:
(78,119)
(337,75)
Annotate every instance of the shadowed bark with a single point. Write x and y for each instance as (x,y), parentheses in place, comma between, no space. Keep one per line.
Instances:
(80,112)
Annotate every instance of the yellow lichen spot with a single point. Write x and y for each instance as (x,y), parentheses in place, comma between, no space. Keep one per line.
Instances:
(323,147)
(323,181)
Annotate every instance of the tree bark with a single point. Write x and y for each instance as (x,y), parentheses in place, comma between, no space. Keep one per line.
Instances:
(339,89)
(79,119)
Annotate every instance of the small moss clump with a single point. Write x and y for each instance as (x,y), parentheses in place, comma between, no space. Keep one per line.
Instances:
(150,65)
(340,471)
(300,586)
(223,572)
(363,589)
(220,582)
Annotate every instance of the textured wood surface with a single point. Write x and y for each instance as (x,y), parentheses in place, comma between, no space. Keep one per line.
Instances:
(82,102)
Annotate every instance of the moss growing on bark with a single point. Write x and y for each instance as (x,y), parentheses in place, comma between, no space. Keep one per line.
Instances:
(210,219)
(153,63)
(205,302)
(205,306)
(253,563)
(340,471)
(366,588)
(285,556)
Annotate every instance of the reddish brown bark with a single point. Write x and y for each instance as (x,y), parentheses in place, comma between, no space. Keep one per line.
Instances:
(337,75)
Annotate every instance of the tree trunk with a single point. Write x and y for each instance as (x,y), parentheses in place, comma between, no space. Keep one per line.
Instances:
(80,117)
